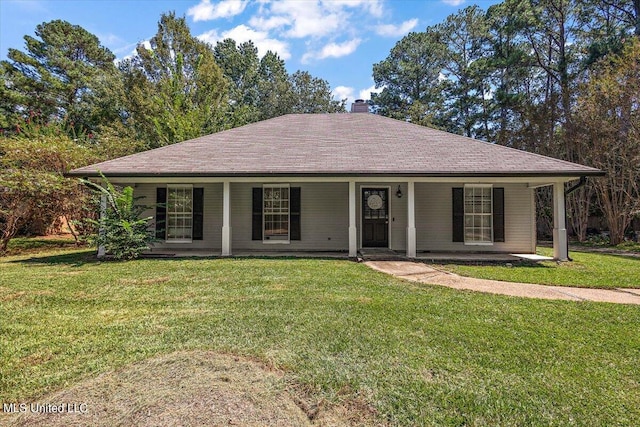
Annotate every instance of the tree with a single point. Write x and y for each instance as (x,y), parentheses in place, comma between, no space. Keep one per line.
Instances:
(509,72)
(32,184)
(56,77)
(410,78)
(274,87)
(120,229)
(261,88)
(604,26)
(464,37)
(174,89)
(608,117)
(312,95)
(240,65)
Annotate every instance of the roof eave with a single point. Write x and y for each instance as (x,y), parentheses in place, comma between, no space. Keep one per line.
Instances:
(558,174)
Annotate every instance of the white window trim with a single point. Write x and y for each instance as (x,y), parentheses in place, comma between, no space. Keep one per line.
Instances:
(276,242)
(464,206)
(180,241)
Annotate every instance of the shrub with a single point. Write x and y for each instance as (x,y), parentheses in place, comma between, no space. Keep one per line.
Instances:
(120,229)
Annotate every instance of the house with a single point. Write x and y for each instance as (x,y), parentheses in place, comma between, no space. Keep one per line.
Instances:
(342,182)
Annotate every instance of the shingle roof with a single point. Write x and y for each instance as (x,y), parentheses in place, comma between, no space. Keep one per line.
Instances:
(334,144)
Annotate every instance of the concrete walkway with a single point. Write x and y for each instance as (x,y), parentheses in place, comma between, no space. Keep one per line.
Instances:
(419,272)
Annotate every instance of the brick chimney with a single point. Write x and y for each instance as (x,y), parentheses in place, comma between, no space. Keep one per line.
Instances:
(359,106)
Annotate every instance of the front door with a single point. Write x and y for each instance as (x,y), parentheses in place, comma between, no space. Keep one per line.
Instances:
(375,217)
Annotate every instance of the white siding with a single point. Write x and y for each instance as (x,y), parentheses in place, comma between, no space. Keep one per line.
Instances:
(324,218)
(434,219)
(212,216)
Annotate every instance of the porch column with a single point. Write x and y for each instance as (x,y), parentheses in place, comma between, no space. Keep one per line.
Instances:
(103,213)
(560,251)
(226,218)
(411,223)
(353,234)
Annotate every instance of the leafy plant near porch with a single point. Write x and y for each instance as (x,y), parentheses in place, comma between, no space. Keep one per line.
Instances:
(120,229)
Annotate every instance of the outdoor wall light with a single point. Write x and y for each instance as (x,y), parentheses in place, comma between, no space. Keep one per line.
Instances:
(399,192)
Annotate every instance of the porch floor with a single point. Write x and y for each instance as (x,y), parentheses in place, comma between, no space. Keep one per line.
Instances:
(216,253)
(367,254)
(478,257)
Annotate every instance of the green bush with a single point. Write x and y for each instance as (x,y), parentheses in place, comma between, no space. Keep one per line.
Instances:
(120,229)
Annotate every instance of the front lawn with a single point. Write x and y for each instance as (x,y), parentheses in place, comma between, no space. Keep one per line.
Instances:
(419,354)
(590,270)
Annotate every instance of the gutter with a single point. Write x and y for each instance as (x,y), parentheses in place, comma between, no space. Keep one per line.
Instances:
(581,183)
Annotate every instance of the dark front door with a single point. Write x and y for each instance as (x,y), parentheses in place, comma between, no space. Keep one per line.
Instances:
(375,217)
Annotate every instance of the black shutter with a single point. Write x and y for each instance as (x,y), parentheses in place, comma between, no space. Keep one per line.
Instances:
(294,213)
(257,214)
(198,213)
(498,214)
(458,214)
(161,212)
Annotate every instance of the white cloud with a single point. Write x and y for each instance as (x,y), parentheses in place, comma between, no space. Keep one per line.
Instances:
(342,92)
(336,50)
(366,93)
(453,2)
(374,7)
(315,18)
(348,93)
(390,30)
(308,18)
(243,33)
(333,50)
(270,23)
(205,11)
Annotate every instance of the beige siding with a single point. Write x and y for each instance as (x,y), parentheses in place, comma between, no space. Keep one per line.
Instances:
(434,219)
(324,218)
(212,216)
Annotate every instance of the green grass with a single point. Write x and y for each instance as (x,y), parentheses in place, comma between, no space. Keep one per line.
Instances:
(590,270)
(624,246)
(421,355)
(26,245)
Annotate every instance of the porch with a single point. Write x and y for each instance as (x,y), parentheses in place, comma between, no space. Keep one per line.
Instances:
(365,254)
(414,219)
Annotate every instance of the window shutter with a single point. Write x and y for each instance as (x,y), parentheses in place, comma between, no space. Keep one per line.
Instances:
(161,212)
(458,214)
(498,214)
(294,213)
(198,213)
(257,214)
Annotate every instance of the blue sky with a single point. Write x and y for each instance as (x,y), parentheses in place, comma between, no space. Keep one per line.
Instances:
(337,40)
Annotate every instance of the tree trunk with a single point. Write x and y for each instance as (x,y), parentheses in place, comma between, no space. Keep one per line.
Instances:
(578,207)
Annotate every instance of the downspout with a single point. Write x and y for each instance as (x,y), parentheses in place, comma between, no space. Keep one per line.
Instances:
(581,183)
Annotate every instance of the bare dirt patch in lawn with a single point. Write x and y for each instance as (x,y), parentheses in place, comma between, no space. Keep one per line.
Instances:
(192,388)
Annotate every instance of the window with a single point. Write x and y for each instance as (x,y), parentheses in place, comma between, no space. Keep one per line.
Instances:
(179,214)
(276,213)
(478,214)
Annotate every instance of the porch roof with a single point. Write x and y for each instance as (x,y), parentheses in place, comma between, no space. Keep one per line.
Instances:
(334,145)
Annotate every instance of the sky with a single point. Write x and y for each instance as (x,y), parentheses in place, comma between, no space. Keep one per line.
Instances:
(336,40)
